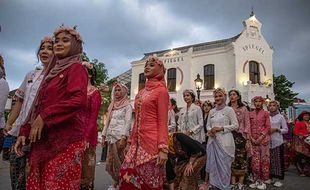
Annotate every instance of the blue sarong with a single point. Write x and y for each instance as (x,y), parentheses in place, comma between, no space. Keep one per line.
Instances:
(218,166)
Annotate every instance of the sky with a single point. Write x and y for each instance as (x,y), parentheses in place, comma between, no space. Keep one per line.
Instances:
(118,32)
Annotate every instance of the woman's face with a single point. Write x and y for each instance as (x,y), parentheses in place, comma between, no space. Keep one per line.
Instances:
(306,117)
(46,52)
(233,96)
(272,107)
(258,104)
(118,92)
(62,44)
(151,69)
(219,98)
(187,98)
(206,108)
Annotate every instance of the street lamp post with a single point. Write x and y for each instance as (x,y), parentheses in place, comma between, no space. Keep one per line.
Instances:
(198,84)
(267,99)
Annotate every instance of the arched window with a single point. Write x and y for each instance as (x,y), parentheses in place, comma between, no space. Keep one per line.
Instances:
(208,77)
(172,79)
(141,81)
(254,72)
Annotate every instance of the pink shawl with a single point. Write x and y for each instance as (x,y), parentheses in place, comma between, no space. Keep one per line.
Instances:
(116,104)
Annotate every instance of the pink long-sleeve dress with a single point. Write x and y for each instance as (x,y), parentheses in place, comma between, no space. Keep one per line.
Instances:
(149,136)
(260,126)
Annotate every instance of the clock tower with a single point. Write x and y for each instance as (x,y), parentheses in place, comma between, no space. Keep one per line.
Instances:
(252,27)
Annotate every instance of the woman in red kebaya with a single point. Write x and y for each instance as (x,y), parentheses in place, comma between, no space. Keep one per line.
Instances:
(55,126)
(91,130)
(144,164)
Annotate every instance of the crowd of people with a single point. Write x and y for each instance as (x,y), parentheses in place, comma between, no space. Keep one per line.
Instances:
(52,131)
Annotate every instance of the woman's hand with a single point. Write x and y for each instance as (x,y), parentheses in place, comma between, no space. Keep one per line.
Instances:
(215,130)
(86,145)
(189,169)
(7,128)
(254,142)
(273,130)
(21,141)
(36,129)
(162,158)
(210,134)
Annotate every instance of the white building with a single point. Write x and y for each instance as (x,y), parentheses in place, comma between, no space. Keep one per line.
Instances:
(243,62)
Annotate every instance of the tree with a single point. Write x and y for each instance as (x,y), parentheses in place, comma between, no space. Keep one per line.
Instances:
(102,72)
(283,92)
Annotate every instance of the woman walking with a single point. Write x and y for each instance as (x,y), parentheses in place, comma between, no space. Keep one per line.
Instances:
(117,130)
(25,95)
(91,130)
(55,126)
(144,165)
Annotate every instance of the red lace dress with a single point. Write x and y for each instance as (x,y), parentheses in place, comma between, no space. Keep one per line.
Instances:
(149,135)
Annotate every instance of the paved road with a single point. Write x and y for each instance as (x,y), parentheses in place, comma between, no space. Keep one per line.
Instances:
(103,180)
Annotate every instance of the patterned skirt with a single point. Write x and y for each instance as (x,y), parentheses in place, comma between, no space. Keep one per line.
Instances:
(277,166)
(289,153)
(88,168)
(189,182)
(302,156)
(147,176)
(62,172)
(240,164)
(115,158)
(17,169)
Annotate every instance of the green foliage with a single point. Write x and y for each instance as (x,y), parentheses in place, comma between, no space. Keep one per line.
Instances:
(102,72)
(283,92)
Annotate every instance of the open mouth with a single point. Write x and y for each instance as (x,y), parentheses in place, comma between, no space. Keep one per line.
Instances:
(44,57)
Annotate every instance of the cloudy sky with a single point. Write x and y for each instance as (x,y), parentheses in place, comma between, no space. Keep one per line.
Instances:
(119,31)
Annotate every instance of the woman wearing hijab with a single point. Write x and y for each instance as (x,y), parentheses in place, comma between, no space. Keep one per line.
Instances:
(144,165)
(24,96)
(242,138)
(91,130)
(190,157)
(190,118)
(302,131)
(260,139)
(277,130)
(55,126)
(221,122)
(116,131)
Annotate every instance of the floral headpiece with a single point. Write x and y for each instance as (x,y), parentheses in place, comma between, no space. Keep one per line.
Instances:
(70,30)
(258,98)
(190,91)
(88,65)
(47,39)
(154,59)
(220,90)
